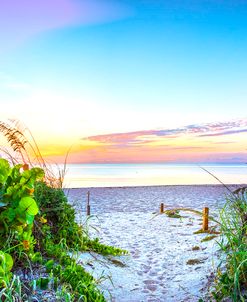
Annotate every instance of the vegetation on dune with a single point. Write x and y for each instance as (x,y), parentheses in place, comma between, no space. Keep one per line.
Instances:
(38,233)
(231,280)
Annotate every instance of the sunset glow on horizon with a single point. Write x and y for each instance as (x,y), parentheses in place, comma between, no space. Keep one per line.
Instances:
(127,81)
(208,143)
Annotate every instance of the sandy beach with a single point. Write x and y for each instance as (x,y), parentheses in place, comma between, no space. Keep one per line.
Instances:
(161,249)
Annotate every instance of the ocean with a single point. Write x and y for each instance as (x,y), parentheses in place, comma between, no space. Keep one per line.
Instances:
(125,175)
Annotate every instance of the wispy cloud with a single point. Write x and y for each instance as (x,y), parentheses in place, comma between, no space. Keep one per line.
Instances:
(150,136)
(191,143)
(224,133)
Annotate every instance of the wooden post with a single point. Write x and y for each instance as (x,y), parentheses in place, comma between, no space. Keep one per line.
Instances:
(162,208)
(88,203)
(205,219)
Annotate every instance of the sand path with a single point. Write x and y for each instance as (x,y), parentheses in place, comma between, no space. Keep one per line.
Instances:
(160,247)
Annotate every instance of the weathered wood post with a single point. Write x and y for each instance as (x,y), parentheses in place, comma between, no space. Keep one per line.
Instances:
(162,208)
(205,219)
(88,203)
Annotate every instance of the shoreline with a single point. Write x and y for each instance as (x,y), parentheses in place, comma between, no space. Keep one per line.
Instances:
(93,176)
(156,186)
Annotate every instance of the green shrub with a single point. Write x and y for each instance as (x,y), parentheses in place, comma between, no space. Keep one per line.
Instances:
(18,209)
(60,225)
(58,215)
(37,225)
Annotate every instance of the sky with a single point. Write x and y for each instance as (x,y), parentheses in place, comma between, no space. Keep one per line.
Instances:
(127,81)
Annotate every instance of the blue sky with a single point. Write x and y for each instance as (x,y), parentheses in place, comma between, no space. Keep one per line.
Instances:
(77,69)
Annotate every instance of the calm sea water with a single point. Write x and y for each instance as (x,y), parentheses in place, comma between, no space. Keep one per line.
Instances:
(120,175)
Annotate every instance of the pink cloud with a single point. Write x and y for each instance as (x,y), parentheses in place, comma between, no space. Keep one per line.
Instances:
(203,130)
(139,147)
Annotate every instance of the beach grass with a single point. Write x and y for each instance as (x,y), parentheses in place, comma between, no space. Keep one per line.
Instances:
(231,281)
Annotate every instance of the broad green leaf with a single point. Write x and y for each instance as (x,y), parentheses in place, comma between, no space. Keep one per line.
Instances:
(28,205)
(38,173)
(15,173)
(29,218)
(19,229)
(9,214)
(23,180)
(9,262)
(6,261)
(26,174)
(17,186)
(27,187)
(10,190)
(27,235)
(21,220)
(4,170)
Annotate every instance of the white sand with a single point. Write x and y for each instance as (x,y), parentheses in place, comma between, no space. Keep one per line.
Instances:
(159,246)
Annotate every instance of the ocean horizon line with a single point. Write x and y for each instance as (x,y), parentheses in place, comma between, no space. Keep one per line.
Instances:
(153,186)
(131,175)
(151,163)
